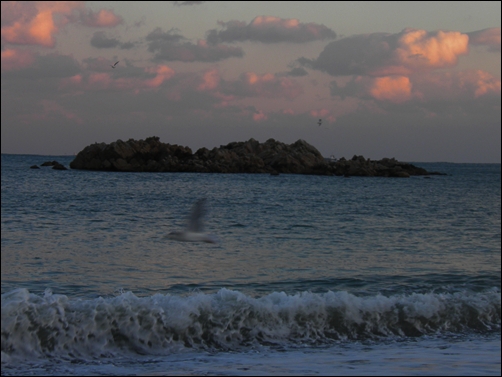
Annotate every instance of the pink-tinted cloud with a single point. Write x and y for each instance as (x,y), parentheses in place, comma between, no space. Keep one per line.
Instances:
(211,80)
(102,18)
(396,89)
(439,87)
(251,84)
(323,114)
(162,74)
(319,113)
(269,29)
(35,22)
(38,22)
(97,81)
(487,37)
(15,59)
(260,116)
(455,86)
(420,50)
(382,54)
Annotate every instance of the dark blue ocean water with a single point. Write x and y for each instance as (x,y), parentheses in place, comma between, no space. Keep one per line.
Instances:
(312,275)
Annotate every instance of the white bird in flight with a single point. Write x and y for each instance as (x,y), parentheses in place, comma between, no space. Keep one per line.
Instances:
(193,231)
(113,66)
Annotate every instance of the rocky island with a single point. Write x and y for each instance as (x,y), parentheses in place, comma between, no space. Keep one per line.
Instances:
(272,157)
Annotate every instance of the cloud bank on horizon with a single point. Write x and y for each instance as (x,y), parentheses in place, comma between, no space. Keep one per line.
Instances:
(417,94)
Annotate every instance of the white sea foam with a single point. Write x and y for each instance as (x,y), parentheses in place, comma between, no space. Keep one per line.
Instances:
(55,325)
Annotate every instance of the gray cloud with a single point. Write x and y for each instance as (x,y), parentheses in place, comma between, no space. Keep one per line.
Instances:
(127,45)
(157,37)
(354,55)
(382,54)
(100,40)
(47,66)
(170,46)
(487,37)
(267,29)
(351,89)
(297,72)
(181,3)
(101,18)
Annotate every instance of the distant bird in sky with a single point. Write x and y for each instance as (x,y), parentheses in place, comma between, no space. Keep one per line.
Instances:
(113,66)
(193,231)
(320,122)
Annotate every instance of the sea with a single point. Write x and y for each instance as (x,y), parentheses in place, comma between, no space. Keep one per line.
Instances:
(312,275)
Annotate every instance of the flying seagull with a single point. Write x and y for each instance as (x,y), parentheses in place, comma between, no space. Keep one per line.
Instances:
(320,122)
(193,231)
(113,66)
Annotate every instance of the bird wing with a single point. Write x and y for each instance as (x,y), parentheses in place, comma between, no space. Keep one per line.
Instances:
(116,63)
(195,219)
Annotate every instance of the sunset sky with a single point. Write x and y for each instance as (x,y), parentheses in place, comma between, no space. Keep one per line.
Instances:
(418,81)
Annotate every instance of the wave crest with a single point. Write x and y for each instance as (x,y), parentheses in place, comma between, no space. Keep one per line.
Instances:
(54,324)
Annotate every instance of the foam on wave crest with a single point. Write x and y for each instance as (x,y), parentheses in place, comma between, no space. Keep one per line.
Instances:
(55,325)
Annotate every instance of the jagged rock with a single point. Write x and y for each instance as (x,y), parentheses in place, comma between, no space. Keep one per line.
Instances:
(55,165)
(386,167)
(59,166)
(50,163)
(272,157)
(236,157)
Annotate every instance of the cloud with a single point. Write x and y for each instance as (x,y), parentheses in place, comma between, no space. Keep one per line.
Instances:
(16,59)
(210,80)
(34,66)
(35,22)
(181,3)
(297,72)
(423,89)
(323,114)
(260,116)
(99,77)
(457,86)
(487,37)
(251,84)
(38,22)
(382,54)
(396,89)
(269,29)
(103,18)
(170,46)
(100,40)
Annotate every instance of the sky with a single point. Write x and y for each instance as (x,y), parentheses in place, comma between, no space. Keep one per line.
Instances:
(418,81)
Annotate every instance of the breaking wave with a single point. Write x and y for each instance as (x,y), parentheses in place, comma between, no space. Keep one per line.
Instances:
(55,325)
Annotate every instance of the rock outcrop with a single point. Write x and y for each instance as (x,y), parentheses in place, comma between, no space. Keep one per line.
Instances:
(49,163)
(386,167)
(151,155)
(55,165)
(59,166)
(271,157)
